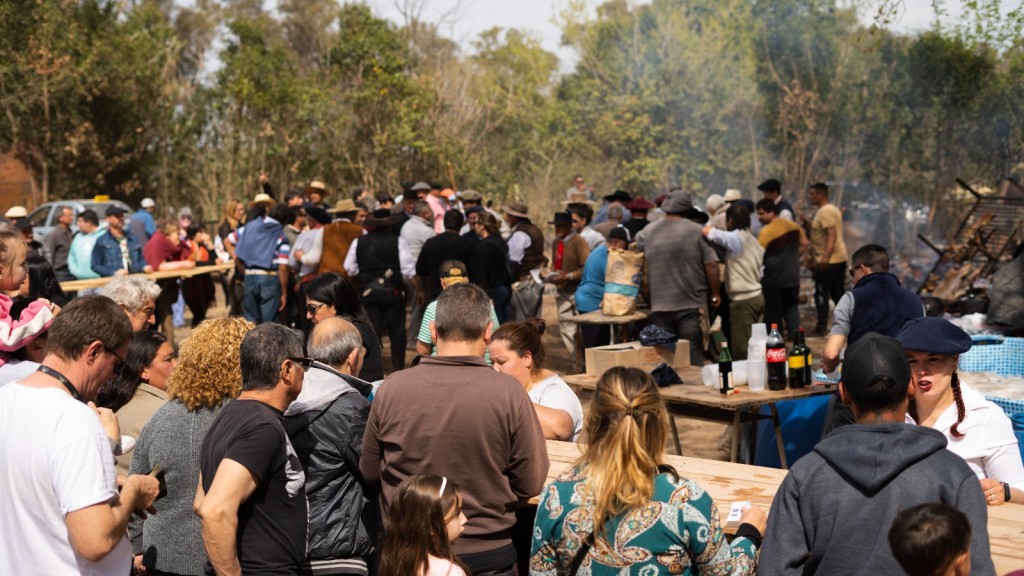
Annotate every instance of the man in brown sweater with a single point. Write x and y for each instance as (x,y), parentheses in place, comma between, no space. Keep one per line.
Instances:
(569,253)
(454,416)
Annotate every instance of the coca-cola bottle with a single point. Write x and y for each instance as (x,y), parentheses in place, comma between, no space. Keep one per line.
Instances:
(775,357)
(800,362)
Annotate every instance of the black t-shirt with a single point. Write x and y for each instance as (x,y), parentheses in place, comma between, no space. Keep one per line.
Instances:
(272,522)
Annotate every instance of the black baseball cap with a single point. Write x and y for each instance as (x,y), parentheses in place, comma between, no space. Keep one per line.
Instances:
(114,210)
(872,356)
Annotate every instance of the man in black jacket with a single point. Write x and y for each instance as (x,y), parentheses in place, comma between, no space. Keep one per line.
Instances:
(325,425)
(381,260)
(448,245)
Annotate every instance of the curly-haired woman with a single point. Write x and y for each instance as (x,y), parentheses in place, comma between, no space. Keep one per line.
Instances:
(206,376)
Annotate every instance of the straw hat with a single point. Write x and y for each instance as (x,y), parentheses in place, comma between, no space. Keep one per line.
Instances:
(577,198)
(261,198)
(16,212)
(343,205)
(516,209)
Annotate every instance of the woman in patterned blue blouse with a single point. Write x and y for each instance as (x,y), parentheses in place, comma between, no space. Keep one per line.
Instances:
(620,510)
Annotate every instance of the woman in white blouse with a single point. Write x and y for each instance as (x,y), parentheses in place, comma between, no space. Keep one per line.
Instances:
(516,349)
(977,430)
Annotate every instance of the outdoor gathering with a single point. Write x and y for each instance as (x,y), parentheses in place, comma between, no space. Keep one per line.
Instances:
(483,288)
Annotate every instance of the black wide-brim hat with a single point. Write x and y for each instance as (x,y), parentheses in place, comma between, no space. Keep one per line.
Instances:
(562,219)
(620,195)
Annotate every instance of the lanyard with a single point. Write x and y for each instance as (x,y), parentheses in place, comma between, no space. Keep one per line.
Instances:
(63,380)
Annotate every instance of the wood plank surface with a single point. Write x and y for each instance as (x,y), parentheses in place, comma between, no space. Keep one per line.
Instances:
(598,317)
(76,285)
(728,483)
(693,392)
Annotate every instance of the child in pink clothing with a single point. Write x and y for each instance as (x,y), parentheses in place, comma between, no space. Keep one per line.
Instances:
(424,519)
(34,320)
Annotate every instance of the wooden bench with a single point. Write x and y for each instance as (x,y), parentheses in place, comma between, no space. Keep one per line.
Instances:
(77,285)
(692,399)
(727,482)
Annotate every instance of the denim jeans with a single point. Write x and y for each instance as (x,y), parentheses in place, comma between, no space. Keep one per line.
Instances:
(502,297)
(261,298)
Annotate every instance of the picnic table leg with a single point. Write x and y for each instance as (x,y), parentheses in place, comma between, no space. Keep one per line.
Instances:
(675,434)
(734,453)
(778,437)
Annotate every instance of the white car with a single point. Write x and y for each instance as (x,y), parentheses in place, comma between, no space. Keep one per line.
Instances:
(44,218)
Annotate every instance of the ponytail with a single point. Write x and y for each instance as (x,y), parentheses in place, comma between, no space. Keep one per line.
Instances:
(624,434)
(961,408)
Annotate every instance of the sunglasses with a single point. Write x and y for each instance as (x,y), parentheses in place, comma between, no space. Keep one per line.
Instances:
(119,365)
(306,363)
(314,308)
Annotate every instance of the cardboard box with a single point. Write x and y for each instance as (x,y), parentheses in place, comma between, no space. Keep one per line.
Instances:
(633,354)
(678,359)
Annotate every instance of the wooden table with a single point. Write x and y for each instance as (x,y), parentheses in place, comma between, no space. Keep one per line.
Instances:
(727,483)
(613,322)
(76,285)
(692,399)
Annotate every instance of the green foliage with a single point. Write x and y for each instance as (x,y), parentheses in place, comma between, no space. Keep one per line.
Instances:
(130,99)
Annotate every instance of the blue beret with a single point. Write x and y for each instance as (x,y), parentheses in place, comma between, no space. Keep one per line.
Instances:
(934,335)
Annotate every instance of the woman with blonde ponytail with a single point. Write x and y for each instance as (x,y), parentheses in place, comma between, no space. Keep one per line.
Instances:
(621,510)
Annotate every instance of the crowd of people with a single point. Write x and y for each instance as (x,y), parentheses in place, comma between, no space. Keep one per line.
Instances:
(276,441)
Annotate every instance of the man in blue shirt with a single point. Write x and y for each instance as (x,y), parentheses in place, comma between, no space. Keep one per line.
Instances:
(141,225)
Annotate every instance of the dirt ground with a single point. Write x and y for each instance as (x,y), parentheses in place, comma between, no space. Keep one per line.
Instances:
(698,438)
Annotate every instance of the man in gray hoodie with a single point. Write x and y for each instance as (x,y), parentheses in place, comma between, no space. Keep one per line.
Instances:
(833,511)
(325,425)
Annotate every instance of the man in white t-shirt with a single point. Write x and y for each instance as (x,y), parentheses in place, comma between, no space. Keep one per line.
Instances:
(60,510)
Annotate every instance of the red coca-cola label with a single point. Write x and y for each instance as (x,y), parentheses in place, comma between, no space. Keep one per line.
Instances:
(776,355)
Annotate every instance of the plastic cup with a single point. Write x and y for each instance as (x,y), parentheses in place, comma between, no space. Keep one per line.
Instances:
(757,374)
(709,375)
(758,332)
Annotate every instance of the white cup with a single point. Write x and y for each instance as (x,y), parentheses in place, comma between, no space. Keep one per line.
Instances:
(758,332)
(757,374)
(709,375)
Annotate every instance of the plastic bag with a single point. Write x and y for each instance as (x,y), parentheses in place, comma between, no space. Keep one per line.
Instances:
(652,335)
(665,375)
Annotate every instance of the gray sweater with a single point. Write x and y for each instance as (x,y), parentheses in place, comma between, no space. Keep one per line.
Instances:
(833,511)
(171,540)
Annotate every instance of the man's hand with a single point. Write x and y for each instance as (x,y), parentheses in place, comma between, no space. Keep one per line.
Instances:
(716,301)
(108,421)
(189,264)
(140,569)
(298,254)
(147,269)
(120,272)
(821,265)
(144,489)
(421,298)
(284,300)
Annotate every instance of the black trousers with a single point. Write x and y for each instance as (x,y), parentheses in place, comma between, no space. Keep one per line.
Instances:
(386,309)
(829,284)
(782,307)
